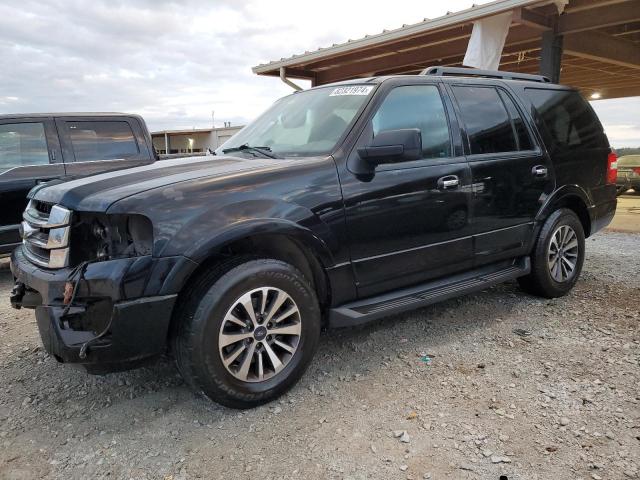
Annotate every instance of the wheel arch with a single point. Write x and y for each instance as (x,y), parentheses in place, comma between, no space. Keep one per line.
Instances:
(276,239)
(572,197)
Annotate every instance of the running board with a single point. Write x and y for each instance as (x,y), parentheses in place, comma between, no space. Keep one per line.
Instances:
(372,308)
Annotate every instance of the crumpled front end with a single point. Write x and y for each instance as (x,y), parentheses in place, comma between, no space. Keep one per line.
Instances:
(101,298)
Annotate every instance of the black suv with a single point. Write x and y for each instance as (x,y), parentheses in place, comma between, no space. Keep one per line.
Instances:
(339,205)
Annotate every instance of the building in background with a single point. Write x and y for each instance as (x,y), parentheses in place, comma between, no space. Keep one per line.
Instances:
(196,140)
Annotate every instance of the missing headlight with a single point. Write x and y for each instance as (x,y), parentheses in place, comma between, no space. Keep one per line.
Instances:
(105,237)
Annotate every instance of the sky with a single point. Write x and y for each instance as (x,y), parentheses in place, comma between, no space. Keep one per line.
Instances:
(176,62)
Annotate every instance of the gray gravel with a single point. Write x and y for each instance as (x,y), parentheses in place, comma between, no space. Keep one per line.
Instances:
(498,383)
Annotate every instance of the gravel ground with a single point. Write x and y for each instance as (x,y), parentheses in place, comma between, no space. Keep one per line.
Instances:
(457,390)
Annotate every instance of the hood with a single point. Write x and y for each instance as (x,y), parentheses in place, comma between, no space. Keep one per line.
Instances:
(97,192)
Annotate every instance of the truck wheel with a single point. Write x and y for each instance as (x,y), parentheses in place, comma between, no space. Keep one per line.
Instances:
(621,190)
(557,257)
(247,331)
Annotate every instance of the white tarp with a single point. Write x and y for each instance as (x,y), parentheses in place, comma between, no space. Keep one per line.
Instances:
(487,41)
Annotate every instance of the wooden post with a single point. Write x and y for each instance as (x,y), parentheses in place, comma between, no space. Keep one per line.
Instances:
(551,55)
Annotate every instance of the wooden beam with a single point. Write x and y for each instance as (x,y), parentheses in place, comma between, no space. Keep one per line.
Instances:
(602,47)
(518,39)
(594,18)
(532,19)
(434,38)
(620,92)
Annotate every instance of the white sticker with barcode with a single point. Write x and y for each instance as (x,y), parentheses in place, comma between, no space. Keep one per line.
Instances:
(352,90)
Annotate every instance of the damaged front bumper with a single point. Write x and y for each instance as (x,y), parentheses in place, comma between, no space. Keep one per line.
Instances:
(120,314)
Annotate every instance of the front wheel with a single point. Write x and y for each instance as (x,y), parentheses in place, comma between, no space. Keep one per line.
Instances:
(557,258)
(247,332)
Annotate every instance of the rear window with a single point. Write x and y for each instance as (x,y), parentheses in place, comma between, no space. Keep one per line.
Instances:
(102,140)
(629,161)
(568,118)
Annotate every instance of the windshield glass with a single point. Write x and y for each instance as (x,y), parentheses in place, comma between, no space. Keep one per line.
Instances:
(305,123)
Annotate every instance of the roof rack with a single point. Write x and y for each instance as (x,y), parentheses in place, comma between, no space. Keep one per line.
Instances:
(475,72)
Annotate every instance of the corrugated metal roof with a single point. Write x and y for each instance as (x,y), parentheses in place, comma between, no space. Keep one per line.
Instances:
(476,12)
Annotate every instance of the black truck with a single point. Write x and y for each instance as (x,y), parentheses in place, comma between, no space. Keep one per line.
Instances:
(341,204)
(36,148)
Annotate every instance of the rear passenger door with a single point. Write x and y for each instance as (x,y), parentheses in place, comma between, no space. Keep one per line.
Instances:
(93,145)
(511,175)
(29,154)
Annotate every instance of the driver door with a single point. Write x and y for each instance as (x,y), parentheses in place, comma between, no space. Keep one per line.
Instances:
(409,221)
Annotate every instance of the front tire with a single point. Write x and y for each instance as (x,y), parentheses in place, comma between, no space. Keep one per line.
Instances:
(248,331)
(557,257)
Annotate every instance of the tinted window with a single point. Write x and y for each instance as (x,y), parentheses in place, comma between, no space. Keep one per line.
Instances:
(519,127)
(102,140)
(416,106)
(22,144)
(486,119)
(568,118)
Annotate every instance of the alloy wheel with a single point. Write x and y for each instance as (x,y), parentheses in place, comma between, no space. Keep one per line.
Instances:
(562,254)
(260,334)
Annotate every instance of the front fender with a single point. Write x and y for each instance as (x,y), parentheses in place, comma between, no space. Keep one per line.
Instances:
(205,234)
(264,226)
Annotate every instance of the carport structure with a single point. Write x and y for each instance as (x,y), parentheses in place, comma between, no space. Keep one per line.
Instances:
(593,45)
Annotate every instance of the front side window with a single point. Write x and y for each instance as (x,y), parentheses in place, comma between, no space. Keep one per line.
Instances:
(22,144)
(416,106)
(306,123)
(568,118)
(486,120)
(102,140)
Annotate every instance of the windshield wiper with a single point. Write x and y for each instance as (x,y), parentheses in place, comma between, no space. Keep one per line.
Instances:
(266,151)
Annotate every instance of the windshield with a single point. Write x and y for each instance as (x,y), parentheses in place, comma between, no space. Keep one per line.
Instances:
(303,124)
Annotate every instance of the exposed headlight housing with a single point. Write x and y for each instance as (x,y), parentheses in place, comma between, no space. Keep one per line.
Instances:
(105,237)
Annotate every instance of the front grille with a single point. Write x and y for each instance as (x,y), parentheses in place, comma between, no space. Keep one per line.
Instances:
(45,234)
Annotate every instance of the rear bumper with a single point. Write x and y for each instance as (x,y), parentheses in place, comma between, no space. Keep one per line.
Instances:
(602,214)
(119,318)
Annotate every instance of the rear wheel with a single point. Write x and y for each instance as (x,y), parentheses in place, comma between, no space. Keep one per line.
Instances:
(557,258)
(248,332)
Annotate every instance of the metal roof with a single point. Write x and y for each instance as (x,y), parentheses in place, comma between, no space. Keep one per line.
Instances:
(65,114)
(476,12)
(601,46)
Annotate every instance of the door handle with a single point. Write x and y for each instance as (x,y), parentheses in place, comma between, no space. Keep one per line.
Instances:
(450,181)
(539,171)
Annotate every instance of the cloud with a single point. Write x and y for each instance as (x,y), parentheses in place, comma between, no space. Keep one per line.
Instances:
(621,120)
(174,62)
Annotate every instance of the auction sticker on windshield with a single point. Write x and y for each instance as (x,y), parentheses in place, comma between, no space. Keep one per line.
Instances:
(352,90)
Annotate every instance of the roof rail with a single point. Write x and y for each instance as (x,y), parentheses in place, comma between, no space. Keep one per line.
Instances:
(475,72)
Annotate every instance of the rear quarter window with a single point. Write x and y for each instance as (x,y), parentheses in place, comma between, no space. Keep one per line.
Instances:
(568,118)
(104,140)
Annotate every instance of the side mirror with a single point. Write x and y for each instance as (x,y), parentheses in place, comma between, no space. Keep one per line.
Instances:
(392,146)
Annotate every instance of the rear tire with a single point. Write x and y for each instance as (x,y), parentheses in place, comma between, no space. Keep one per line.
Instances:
(557,257)
(236,356)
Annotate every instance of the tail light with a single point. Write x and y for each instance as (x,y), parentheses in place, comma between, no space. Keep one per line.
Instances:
(612,168)
(637,170)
